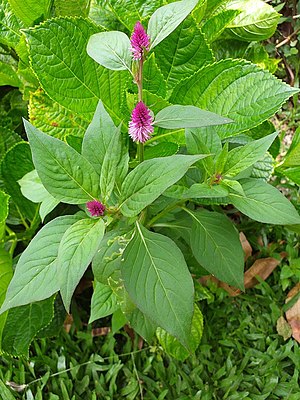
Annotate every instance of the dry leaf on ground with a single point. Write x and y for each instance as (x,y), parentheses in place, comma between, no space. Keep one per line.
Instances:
(262,268)
(246,246)
(293,314)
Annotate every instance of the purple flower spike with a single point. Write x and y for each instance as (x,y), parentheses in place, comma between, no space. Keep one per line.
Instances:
(140,126)
(95,208)
(139,41)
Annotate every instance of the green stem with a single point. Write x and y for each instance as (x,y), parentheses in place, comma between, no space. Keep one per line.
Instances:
(162,214)
(140,152)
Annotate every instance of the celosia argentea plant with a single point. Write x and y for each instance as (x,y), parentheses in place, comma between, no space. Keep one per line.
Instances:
(151,210)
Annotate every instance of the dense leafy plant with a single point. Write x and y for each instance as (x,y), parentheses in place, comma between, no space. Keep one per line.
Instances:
(151,202)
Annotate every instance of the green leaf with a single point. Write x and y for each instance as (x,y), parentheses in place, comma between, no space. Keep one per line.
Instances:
(176,117)
(153,80)
(263,169)
(293,174)
(76,250)
(196,191)
(16,163)
(111,50)
(30,11)
(54,119)
(6,273)
(150,179)
(118,320)
(98,137)
(141,324)
(33,189)
(166,19)
(104,302)
(216,24)
(10,25)
(72,7)
(163,149)
(136,10)
(158,281)
(8,75)
(66,175)
(292,158)
(22,325)
(264,203)
(184,52)
(72,78)
(173,347)
(216,246)
(240,158)
(257,20)
(108,258)
(234,89)
(110,166)
(35,276)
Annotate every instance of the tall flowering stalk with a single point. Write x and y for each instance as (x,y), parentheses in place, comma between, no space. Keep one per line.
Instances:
(140,126)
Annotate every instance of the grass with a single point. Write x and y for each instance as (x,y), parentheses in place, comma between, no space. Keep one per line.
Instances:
(240,357)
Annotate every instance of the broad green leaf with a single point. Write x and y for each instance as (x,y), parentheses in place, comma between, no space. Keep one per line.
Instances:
(216,246)
(264,203)
(23,323)
(176,117)
(150,179)
(110,165)
(153,80)
(257,20)
(108,257)
(292,158)
(184,52)
(35,276)
(33,189)
(263,169)
(215,25)
(166,19)
(196,191)
(234,89)
(141,324)
(56,325)
(221,159)
(8,75)
(8,139)
(6,273)
(104,302)
(158,281)
(31,11)
(293,174)
(76,250)
(72,78)
(67,175)
(173,347)
(9,25)
(118,320)
(78,8)
(163,149)
(243,157)
(204,141)
(16,163)
(54,119)
(233,185)
(98,136)
(111,50)
(136,10)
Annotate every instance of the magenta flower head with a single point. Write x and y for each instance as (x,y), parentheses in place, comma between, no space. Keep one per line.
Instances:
(140,41)
(140,126)
(95,208)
